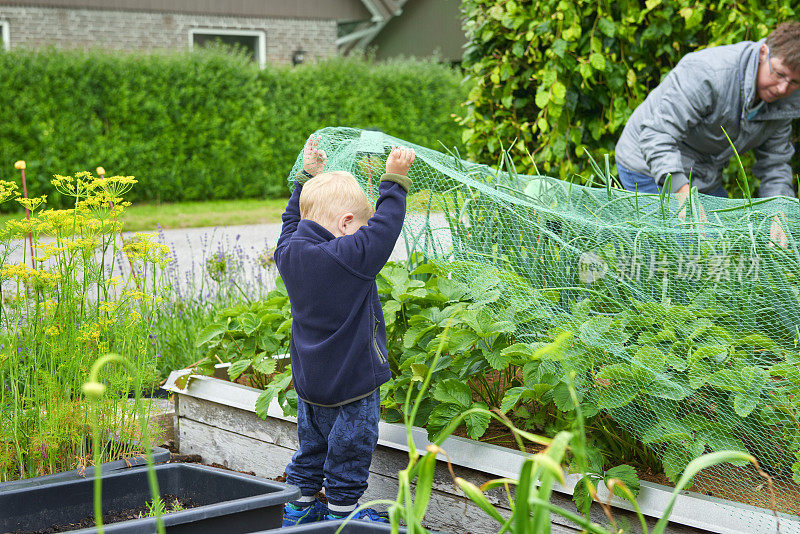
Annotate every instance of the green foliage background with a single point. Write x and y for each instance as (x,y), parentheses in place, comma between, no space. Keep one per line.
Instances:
(562,76)
(203,125)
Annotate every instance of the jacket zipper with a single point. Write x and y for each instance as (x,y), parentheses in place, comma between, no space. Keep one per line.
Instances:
(381,357)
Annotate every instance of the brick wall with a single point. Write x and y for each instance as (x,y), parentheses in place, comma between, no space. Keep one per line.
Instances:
(135,30)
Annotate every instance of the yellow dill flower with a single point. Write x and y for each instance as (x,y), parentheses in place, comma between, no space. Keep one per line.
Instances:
(114,186)
(81,243)
(32,203)
(48,250)
(59,220)
(89,333)
(106,307)
(119,207)
(11,271)
(17,228)
(73,186)
(39,279)
(44,279)
(93,203)
(141,247)
(8,190)
(134,294)
(41,226)
(95,226)
(52,331)
(265,258)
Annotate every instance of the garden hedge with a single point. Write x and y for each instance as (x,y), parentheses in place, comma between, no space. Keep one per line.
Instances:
(203,125)
(561,77)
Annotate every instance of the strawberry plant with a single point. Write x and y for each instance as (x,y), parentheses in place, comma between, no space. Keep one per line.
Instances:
(658,385)
(254,340)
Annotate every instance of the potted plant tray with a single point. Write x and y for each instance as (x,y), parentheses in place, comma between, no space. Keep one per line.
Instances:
(228,501)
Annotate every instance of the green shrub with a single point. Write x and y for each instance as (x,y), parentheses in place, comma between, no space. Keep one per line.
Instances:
(561,77)
(204,125)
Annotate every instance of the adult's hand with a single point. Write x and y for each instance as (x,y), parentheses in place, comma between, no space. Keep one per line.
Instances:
(682,195)
(777,233)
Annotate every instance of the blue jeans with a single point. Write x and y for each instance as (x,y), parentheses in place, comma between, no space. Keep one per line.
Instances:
(636,181)
(336,446)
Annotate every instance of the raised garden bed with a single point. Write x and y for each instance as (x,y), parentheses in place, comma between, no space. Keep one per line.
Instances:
(216,418)
(227,501)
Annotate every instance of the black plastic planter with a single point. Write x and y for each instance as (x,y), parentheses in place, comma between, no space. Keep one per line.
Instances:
(330,527)
(159,456)
(229,502)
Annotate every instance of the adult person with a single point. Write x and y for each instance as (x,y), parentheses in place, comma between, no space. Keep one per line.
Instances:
(749,89)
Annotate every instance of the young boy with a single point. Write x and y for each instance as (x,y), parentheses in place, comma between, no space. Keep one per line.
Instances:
(331,248)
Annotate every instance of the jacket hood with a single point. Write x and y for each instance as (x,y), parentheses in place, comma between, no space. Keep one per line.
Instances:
(313,231)
(784,108)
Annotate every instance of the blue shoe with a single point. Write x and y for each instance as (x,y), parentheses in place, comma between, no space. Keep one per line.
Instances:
(295,515)
(367,514)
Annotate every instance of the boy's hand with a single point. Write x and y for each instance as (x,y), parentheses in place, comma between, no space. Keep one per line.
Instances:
(776,232)
(399,160)
(313,158)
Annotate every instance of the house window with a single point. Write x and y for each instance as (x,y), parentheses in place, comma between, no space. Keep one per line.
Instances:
(4,38)
(251,41)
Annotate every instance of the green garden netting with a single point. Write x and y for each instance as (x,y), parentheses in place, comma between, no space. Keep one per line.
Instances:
(684,319)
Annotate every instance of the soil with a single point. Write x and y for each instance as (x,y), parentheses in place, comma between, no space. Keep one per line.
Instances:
(173,503)
(499,434)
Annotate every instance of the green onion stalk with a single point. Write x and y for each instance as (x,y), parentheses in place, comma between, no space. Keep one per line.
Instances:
(94,390)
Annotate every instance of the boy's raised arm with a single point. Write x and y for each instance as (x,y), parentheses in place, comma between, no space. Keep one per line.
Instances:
(313,162)
(368,250)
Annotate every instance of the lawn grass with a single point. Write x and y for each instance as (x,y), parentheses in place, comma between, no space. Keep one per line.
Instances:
(145,217)
(203,214)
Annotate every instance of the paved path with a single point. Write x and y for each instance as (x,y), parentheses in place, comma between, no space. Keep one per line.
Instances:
(244,244)
(241,246)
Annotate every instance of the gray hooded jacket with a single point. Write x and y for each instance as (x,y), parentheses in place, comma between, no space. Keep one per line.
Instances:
(677,129)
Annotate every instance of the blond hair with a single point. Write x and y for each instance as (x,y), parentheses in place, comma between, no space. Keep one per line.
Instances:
(327,196)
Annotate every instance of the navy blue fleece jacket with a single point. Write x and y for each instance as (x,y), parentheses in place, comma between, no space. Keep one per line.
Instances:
(338,346)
